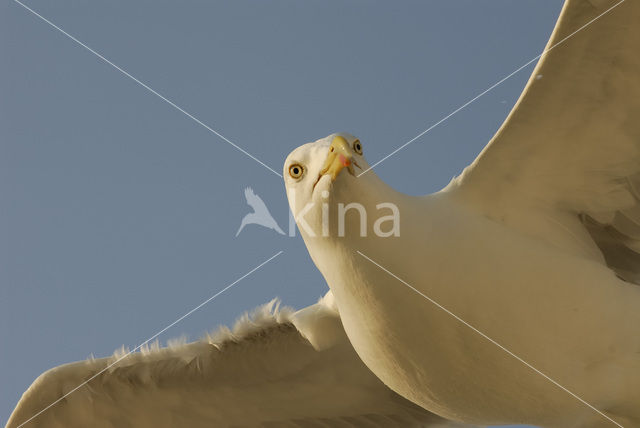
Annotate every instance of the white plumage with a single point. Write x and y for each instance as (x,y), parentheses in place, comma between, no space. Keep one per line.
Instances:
(536,244)
(275,368)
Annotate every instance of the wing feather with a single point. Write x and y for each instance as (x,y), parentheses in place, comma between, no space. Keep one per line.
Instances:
(570,148)
(262,373)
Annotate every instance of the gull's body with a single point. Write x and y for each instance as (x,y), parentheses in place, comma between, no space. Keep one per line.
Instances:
(525,269)
(509,297)
(568,316)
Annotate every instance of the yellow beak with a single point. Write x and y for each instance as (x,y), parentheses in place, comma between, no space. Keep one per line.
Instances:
(338,158)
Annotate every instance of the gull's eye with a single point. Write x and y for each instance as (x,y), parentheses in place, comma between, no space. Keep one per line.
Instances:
(296,170)
(357,147)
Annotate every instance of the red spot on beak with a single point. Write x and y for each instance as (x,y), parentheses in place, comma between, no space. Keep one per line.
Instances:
(343,160)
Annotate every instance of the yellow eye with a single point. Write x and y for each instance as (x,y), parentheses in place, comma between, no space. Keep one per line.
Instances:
(296,170)
(357,147)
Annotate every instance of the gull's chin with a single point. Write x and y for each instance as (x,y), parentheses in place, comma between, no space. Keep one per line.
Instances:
(324,184)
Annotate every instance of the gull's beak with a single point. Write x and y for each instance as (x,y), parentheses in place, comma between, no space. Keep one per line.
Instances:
(339,157)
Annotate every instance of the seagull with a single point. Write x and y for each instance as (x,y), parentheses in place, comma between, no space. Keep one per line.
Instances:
(513,294)
(260,215)
(276,367)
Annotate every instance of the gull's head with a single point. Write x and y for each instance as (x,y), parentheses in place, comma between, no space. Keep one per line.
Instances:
(324,171)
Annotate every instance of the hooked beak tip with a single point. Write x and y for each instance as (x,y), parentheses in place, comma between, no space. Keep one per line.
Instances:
(338,158)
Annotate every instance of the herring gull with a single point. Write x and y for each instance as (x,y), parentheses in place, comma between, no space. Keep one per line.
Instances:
(512,295)
(536,244)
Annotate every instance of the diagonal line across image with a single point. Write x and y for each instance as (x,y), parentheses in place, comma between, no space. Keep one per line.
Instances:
(488,338)
(146,342)
(490,88)
(148,88)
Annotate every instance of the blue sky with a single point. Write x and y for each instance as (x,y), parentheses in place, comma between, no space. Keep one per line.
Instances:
(119,212)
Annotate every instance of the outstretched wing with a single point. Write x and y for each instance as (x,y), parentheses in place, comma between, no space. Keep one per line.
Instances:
(565,165)
(276,368)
